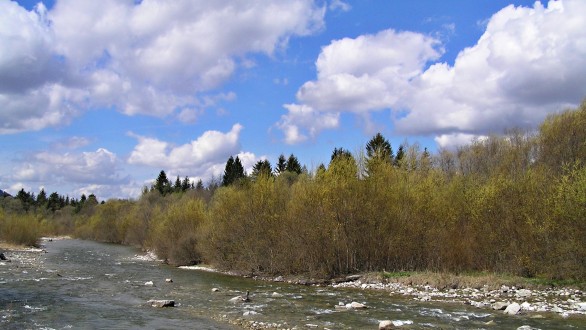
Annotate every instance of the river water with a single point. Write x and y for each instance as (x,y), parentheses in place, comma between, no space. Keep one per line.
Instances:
(88,285)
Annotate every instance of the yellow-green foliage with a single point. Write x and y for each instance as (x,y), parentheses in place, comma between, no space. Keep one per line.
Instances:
(511,204)
(21,229)
(174,232)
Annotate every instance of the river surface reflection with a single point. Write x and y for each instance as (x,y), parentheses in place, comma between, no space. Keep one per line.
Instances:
(89,285)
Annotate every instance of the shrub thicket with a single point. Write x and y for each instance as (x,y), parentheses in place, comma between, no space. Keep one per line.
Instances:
(514,204)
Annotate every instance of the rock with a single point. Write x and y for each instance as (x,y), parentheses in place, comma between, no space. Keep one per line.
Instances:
(526,306)
(500,305)
(149,283)
(276,295)
(523,293)
(581,306)
(244,298)
(384,325)
(505,289)
(168,280)
(161,303)
(215,290)
(3,257)
(513,309)
(279,279)
(356,305)
(250,313)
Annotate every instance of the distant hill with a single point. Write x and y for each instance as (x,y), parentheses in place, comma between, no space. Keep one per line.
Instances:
(4,194)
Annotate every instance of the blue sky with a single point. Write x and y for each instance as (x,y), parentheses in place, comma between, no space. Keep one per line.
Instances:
(99,96)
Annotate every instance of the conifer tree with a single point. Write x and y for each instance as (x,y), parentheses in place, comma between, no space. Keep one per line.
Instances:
(293,165)
(281,165)
(262,168)
(233,171)
(162,184)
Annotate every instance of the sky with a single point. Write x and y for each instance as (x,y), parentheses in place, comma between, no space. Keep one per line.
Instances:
(100,96)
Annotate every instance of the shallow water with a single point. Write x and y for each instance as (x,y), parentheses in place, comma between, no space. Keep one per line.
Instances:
(83,284)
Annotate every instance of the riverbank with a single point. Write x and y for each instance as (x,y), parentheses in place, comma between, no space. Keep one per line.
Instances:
(511,295)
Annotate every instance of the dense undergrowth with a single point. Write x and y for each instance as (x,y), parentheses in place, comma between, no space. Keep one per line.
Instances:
(513,204)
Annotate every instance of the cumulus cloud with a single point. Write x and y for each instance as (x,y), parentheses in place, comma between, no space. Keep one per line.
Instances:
(203,157)
(99,167)
(529,62)
(303,122)
(147,57)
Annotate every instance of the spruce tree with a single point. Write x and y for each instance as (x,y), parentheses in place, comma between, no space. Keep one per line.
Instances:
(162,184)
(293,165)
(281,165)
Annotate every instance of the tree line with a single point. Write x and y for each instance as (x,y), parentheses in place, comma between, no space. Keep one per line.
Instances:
(513,203)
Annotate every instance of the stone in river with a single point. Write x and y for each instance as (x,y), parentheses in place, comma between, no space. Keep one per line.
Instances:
(161,303)
(513,309)
(385,325)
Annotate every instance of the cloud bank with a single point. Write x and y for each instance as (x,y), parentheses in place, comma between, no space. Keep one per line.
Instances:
(529,62)
(147,57)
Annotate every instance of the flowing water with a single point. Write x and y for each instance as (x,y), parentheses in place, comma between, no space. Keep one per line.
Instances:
(89,285)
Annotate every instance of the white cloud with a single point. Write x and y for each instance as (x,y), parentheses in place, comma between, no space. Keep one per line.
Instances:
(360,75)
(203,157)
(528,63)
(339,5)
(99,167)
(303,122)
(147,57)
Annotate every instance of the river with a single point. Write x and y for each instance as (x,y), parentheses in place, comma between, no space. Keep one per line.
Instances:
(88,285)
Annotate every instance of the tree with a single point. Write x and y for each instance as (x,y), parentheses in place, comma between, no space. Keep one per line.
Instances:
(177,186)
(262,168)
(162,184)
(340,153)
(185,184)
(378,151)
(54,202)
(293,165)
(400,156)
(379,148)
(281,165)
(233,171)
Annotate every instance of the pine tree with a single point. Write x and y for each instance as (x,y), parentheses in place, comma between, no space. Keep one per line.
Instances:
(177,186)
(293,165)
(400,156)
(378,151)
(185,185)
(281,165)
(233,171)
(162,184)
(340,153)
(262,168)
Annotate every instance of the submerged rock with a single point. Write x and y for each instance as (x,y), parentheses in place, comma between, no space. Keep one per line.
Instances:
(215,290)
(161,303)
(149,283)
(168,280)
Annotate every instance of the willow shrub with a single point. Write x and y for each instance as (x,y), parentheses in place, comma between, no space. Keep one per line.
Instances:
(174,232)
(20,229)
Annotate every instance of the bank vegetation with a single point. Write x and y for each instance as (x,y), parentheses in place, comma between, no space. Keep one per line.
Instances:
(513,204)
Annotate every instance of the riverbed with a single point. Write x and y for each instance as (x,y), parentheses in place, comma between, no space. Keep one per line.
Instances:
(83,284)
